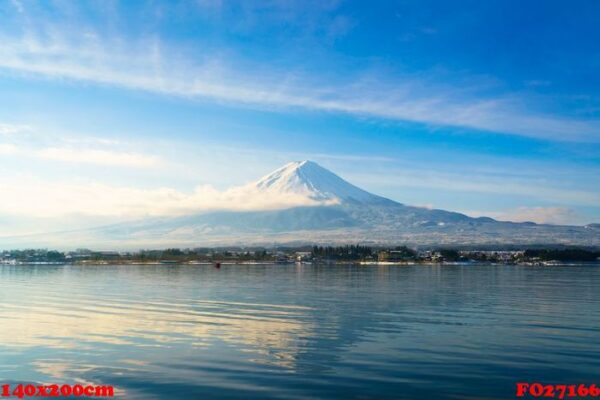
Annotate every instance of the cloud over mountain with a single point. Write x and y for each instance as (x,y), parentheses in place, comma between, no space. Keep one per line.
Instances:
(294,185)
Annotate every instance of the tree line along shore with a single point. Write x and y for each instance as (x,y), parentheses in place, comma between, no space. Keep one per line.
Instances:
(315,254)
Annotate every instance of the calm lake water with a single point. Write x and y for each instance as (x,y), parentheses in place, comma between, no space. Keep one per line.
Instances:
(296,332)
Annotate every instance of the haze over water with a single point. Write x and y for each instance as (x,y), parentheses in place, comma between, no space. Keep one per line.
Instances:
(300,331)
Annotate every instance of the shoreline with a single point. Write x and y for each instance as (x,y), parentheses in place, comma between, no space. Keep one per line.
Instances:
(318,263)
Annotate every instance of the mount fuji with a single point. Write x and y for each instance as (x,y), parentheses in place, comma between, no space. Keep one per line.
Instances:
(314,205)
(310,180)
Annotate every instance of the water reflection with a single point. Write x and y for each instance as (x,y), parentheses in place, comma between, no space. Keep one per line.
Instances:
(84,323)
(299,331)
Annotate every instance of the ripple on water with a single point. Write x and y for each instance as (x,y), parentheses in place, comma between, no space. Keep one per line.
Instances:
(266,331)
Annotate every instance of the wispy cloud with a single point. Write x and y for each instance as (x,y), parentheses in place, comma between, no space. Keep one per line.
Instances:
(11,129)
(18,6)
(533,187)
(151,66)
(99,157)
(81,151)
(540,215)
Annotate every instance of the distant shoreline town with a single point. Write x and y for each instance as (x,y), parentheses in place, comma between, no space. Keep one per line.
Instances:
(357,254)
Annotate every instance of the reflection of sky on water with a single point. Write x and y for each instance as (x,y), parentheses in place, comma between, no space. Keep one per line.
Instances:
(50,312)
(82,321)
(296,331)
(84,324)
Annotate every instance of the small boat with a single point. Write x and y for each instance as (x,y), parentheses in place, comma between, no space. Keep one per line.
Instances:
(217,265)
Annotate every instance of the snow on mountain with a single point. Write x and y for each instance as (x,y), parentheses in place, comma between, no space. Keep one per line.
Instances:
(310,180)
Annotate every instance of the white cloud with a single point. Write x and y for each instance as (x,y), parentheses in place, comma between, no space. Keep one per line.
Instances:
(84,150)
(91,141)
(11,129)
(100,157)
(6,149)
(428,206)
(31,197)
(540,215)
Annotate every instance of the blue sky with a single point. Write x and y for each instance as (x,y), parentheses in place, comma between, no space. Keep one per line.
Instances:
(110,108)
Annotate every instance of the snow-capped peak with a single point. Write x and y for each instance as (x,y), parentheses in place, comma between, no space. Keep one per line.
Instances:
(309,179)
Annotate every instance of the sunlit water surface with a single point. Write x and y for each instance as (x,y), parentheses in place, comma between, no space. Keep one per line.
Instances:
(300,331)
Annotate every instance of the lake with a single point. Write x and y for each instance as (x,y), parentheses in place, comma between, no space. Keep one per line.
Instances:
(300,331)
